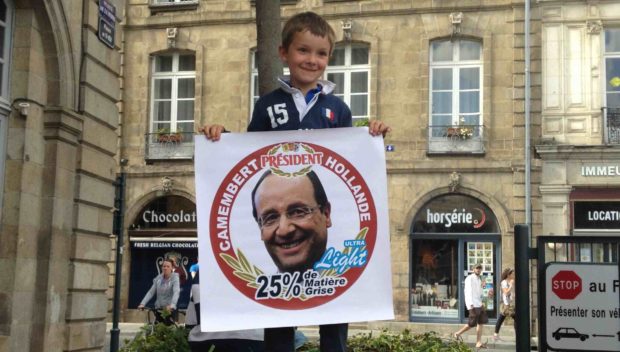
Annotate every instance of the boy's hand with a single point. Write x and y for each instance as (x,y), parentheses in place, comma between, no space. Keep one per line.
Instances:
(376,127)
(212,132)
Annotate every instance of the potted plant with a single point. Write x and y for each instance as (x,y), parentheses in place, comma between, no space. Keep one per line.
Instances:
(460,131)
(164,135)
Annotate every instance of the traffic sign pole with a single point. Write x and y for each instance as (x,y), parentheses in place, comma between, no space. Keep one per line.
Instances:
(522,288)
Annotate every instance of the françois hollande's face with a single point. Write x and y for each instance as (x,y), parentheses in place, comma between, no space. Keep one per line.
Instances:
(294,242)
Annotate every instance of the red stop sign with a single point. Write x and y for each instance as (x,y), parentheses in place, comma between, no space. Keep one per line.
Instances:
(566,284)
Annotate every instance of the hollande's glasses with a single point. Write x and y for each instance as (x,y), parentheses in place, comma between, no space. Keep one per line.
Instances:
(294,214)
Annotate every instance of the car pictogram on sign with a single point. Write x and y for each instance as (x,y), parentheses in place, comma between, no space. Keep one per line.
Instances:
(566,284)
(570,333)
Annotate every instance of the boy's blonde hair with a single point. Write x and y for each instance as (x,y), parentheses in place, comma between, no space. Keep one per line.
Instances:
(307,21)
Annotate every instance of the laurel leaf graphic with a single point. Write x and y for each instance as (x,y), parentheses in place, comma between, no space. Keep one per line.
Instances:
(308,149)
(242,268)
(257,271)
(245,276)
(247,267)
(230,261)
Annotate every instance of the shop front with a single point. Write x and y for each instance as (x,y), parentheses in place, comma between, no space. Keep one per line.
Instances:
(450,234)
(594,212)
(164,229)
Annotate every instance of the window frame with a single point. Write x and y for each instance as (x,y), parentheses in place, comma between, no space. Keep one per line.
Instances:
(608,55)
(610,130)
(456,66)
(175,75)
(5,94)
(5,60)
(347,69)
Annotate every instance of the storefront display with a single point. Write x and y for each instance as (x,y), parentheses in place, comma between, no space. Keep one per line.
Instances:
(435,291)
(450,235)
(596,212)
(165,228)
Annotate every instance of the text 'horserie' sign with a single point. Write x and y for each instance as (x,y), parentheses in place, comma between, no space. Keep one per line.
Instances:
(582,307)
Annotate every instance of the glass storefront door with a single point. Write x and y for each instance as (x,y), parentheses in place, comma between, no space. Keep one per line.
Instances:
(485,253)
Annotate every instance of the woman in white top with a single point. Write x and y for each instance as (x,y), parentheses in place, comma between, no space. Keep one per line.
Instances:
(507,307)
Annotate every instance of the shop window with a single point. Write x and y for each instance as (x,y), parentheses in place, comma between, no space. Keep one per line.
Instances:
(172,106)
(450,235)
(456,70)
(593,212)
(165,228)
(612,85)
(349,68)
(435,286)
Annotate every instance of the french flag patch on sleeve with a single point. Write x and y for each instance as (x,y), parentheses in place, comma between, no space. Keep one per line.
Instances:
(329,114)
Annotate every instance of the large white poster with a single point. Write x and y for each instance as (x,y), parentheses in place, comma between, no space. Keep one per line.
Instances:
(293,229)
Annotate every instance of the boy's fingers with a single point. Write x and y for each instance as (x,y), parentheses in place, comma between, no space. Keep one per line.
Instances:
(212,132)
(378,128)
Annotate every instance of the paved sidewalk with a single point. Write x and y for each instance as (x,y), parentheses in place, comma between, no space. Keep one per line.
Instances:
(128,331)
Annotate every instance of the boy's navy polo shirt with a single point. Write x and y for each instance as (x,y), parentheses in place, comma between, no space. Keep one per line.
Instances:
(281,110)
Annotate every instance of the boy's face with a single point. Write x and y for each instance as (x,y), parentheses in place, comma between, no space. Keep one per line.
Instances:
(307,58)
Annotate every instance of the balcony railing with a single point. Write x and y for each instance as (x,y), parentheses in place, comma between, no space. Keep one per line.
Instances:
(161,146)
(455,139)
(612,117)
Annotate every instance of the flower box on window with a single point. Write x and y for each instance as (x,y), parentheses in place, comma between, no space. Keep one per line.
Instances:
(165,138)
(460,132)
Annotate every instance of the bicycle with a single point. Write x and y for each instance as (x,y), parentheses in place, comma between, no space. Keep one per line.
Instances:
(155,316)
(154,334)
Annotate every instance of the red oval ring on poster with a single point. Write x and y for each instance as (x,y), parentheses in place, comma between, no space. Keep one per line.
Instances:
(292,293)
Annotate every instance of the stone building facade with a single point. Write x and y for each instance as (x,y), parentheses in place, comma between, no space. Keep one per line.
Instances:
(447,76)
(59,134)
(580,144)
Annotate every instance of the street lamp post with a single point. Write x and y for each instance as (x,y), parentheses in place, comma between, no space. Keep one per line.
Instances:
(119,211)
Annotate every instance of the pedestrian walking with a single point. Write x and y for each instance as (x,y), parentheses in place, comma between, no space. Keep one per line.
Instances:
(473,301)
(507,308)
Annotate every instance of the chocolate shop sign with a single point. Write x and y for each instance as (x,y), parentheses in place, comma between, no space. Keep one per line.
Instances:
(152,216)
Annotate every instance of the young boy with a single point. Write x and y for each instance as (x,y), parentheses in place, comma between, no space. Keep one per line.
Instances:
(304,101)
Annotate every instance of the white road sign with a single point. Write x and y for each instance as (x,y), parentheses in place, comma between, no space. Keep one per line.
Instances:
(582,307)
